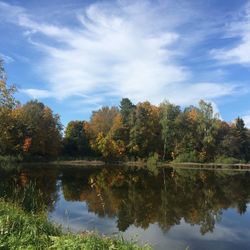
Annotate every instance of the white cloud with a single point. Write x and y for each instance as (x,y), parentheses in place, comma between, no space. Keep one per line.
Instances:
(124,49)
(246,119)
(37,93)
(239,29)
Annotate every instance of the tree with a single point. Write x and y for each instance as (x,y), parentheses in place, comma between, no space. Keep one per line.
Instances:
(227,141)
(169,127)
(105,133)
(102,120)
(145,135)
(76,142)
(7,104)
(207,131)
(43,130)
(243,138)
(199,129)
(109,148)
(126,108)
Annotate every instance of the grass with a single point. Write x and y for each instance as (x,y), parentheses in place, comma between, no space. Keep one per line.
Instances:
(26,230)
(20,230)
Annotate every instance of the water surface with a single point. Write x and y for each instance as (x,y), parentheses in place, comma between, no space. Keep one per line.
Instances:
(169,208)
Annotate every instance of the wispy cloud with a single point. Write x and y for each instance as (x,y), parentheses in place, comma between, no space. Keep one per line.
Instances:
(6,58)
(238,29)
(123,48)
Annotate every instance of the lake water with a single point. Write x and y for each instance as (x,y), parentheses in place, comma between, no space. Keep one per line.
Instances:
(168,208)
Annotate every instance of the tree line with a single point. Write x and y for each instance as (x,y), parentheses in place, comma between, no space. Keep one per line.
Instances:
(128,132)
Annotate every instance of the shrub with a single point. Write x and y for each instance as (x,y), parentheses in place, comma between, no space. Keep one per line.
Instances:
(186,157)
(227,160)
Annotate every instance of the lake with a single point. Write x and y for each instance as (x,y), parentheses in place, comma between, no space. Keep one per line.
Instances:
(169,208)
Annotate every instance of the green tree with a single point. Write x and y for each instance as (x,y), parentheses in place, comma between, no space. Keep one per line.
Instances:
(207,131)
(243,138)
(169,127)
(76,142)
(227,141)
(145,135)
(126,108)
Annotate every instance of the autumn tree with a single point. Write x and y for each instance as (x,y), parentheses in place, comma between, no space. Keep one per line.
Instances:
(43,130)
(102,120)
(105,125)
(7,104)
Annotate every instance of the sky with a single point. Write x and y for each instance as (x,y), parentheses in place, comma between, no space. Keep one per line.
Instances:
(79,55)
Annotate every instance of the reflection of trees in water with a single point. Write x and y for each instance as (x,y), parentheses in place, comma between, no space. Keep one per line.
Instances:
(37,185)
(140,198)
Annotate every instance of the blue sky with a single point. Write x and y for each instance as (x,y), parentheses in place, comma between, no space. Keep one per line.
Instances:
(76,56)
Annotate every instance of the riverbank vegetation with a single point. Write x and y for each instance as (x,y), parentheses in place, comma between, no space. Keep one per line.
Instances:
(140,131)
(22,230)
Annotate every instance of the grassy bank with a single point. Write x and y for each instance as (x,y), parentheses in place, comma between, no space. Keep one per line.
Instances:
(22,230)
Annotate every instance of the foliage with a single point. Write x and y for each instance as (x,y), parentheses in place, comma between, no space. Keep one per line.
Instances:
(186,157)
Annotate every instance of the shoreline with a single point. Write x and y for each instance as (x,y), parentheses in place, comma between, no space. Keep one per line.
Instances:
(140,164)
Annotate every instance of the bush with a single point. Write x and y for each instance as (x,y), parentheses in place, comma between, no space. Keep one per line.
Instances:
(186,157)
(227,160)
